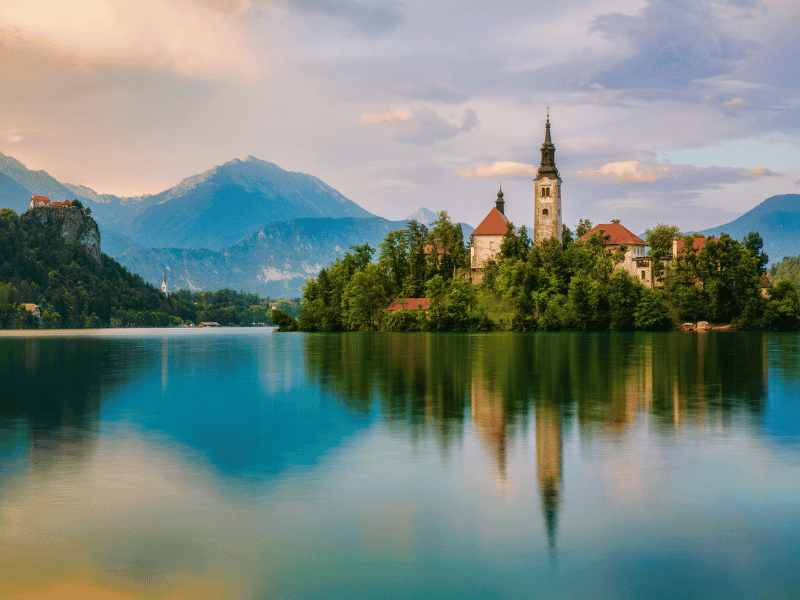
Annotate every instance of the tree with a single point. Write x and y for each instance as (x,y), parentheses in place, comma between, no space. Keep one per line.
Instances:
(566,236)
(415,238)
(660,241)
(754,244)
(283,320)
(393,260)
(364,299)
(584,226)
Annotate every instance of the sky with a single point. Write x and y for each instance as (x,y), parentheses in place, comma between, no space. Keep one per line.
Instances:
(662,111)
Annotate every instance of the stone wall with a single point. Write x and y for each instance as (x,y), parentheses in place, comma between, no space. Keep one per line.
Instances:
(76,226)
(484,247)
(636,263)
(548,225)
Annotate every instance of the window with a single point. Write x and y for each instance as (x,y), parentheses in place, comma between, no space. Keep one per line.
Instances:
(546,191)
(644,274)
(544,212)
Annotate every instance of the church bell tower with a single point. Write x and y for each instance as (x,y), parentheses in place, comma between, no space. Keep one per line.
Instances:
(547,223)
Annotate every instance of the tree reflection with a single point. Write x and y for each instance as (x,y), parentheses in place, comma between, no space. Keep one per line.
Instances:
(52,388)
(498,383)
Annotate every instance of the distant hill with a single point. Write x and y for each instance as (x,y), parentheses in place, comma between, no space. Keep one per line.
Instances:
(274,261)
(777,219)
(223,205)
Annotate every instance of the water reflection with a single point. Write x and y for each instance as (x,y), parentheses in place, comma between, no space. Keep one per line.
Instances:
(496,384)
(244,465)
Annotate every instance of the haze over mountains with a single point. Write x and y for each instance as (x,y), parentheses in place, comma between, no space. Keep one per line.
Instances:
(250,225)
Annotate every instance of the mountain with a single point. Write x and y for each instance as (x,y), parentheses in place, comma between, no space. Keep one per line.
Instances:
(223,205)
(18,184)
(214,209)
(274,261)
(423,215)
(777,219)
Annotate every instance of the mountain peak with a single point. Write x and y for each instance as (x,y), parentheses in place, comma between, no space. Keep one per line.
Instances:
(423,215)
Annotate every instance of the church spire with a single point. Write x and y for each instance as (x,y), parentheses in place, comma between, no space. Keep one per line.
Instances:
(500,203)
(547,168)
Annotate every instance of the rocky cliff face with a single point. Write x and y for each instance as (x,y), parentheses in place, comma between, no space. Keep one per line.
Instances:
(75,226)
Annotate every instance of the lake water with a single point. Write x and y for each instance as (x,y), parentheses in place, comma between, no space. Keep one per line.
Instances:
(242,463)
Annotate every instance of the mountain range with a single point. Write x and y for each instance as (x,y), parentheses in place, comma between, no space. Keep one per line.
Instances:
(212,210)
(250,225)
(246,224)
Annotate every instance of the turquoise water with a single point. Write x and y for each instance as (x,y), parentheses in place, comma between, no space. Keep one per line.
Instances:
(241,463)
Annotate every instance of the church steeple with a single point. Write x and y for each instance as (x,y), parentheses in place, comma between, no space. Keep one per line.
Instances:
(547,223)
(547,168)
(500,203)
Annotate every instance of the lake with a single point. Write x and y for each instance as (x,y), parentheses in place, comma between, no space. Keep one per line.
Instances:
(242,463)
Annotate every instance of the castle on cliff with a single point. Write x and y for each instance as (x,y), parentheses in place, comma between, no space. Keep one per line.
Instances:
(76,225)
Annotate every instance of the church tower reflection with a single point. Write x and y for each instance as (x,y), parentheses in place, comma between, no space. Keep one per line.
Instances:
(549,447)
(490,420)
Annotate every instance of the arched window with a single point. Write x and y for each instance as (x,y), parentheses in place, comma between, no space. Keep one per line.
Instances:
(544,212)
(545,191)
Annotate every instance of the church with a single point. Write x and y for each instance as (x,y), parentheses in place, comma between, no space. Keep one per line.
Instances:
(488,236)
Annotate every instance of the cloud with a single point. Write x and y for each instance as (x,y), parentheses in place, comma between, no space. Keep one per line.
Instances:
(370,20)
(736,102)
(630,171)
(673,44)
(426,126)
(761,172)
(390,117)
(12,136)
(182,37)
(797,183)
(657,176)
(499,169)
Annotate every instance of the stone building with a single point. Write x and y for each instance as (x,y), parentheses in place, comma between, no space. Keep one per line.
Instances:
(486,239)
(488,236)
(635,262)
(547,222)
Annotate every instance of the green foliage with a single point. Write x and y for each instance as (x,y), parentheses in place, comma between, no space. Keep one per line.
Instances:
(584,226)
(652,312)
(283,320)
(659,239)
(552,286)
(788,268)
(73,290)
(782,310)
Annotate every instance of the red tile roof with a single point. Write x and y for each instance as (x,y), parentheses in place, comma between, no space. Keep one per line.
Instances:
(410,304)
(619,235)
(428,249)
(45,198)
(698,243)
(495,223)
(64,204)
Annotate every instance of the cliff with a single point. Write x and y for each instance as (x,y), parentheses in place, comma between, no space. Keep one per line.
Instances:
(75,226)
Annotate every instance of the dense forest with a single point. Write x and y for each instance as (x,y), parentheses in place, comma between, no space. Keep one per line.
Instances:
(73,290)
(556,286)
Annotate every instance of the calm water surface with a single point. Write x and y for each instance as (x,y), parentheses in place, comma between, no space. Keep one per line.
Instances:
(248,464)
